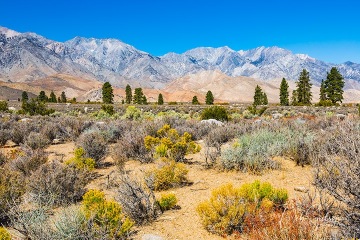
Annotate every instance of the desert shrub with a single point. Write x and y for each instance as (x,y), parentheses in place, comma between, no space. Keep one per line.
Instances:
(5,134)
(253,151)
(109,109)
(4,234)
(284,224)
(168,143)
(11,190)
(106,215)
(227,208)
(19,132)
(94,145)
(54,184)
(3,159)
(33,222)
(138,201)
(131,146)
(132,113)
(36,141)
(80,161)
(167,175)
(27,160)
(337,174)
(215,112)
(167,201)
(214,140)
(3,106)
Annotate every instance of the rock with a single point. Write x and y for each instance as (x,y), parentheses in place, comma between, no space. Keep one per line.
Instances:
(68,104)
(301,189)
(100,123)
(212,121)
(25,120)
(56,141)
(10,143)
(340,116)
(85,109)
(258,121)
(12,109)
(151,237)
(277,116)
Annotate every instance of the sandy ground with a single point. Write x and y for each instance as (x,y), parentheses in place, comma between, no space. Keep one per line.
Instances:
(184,223)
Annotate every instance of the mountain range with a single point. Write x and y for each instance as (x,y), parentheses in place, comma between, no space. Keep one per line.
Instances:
(30,59)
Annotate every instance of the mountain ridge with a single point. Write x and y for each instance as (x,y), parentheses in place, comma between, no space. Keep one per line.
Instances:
(26,57)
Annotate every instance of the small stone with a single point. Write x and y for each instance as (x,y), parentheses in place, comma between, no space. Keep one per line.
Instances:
(151,237)
(301,189)
(340,116)
(212,121)
(12,109)
(10,143)
(56,141)
(25,120)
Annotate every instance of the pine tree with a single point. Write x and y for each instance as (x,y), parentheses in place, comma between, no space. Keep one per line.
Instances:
(107,93)
(138,96)
(160,99)
(294,98)
(24,96)
(195,100)
(144,100)
(303,85)
(258,96)
(42,97)
(284,93)
(209,99)
(264,99)
(334,85)
(63,97)
(322,92)
(52,97)
(128,94)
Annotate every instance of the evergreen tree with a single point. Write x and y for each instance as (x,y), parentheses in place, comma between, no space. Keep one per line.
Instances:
(265,99)
(144,100)
(334,85)
(24,96)
(303,85)
(63,97)
(195,101)
(294,98)
(322,92)
(209,99)
(128,94)
(284,93)
(138,97)
(52,97)
(59,100)
(42,97)
(258,96)
(107,93)
(160,99)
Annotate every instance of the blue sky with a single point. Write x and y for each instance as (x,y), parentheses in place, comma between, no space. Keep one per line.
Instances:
(327,30)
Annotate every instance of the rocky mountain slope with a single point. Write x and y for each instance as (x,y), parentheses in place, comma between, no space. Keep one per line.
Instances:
(28,56)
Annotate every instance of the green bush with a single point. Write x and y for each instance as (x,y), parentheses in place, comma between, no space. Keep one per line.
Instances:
(227,208)
(253,151)
(80,161)
(132,113)
(35,107)
(109,109)
(168,143)
(167,201)
(4,234)
(169,174)
(3,106)
(215,112)
(106,215)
